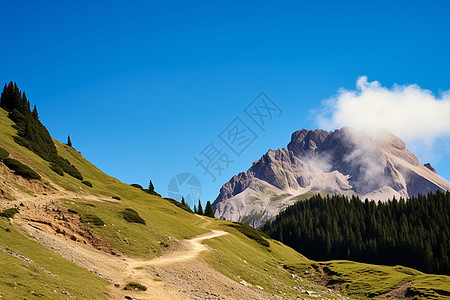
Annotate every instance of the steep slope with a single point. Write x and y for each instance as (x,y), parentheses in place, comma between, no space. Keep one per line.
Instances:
(345,161)
(84,225)
(69,240)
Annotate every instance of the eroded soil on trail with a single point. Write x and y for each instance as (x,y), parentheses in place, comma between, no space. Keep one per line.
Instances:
(178,274)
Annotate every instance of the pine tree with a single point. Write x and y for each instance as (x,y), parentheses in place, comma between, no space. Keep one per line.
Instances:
(10,97)
(195,209)
(34,113)
(200,208)
(151,188)
(208,210)
(69,142)
(182,201)
(31,133)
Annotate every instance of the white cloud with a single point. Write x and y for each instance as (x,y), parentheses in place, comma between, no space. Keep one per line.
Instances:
(414,114)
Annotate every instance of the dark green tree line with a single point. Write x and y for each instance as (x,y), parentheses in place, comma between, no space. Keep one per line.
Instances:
(31,133)
(413,232)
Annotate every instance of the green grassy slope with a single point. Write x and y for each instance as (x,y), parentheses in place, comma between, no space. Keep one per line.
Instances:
(280,268)
(361,280)
(163,218)
(29,270)
(275,269)
(241,258)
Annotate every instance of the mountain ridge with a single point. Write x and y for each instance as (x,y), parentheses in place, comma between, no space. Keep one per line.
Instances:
(345,161)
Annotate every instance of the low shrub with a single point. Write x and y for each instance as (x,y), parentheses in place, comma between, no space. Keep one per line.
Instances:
(72,211)
(91,219)
(137,186)
(164,244)
(116,197)
(151,192)
(252,233)
(22,142)
(57,169)
(87,183)
(72,171)
(21,169)
(3,153)
(175,202)
(132,216)
(135,286)
(9,213)
(68,168)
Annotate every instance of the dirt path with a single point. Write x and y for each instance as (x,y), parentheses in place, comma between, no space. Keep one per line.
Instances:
(177,275)
(118,270)
(121,269)
(180,274)
(195,247)
(399,293)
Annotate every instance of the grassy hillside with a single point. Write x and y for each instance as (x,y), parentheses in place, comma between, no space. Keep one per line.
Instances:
(361,280)
(241,255)
(30,270)
(163,218)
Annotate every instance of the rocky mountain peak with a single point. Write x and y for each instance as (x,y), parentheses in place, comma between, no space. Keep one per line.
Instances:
(387,139)
(345,161)
(428,166)
(305,142)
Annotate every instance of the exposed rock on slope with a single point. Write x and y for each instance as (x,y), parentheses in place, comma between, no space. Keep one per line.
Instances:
(346,161)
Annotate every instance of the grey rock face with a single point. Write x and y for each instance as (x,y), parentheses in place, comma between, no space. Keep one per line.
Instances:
(428,166)
(345,161)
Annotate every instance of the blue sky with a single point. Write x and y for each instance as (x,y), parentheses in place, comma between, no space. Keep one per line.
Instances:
(142,87)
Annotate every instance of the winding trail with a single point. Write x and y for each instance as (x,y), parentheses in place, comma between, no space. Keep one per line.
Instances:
(120,270)
(177,274)
(195,247)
